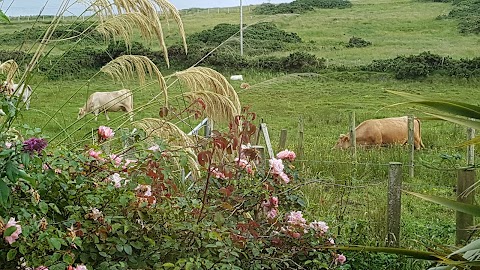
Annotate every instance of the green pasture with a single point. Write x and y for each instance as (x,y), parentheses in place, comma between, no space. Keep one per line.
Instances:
(351,198)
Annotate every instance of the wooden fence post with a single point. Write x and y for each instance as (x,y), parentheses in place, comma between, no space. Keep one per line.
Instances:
(283,140)
(208,128)
(466,178)
(300,151)
(470,148)
(394,204)
(411,145)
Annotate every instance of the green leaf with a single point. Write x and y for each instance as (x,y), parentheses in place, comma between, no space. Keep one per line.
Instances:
(67,258)
(25,157)
(453,107)
(128,249)
(43,207)
(472,246)
(4,193)
(168,265)
(56,243)
(55,208)
(11,254)
(9,231)
(119,247)
(3,17)
(457,206)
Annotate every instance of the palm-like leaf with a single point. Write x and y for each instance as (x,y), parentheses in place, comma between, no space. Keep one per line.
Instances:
(4,18)
(457,206)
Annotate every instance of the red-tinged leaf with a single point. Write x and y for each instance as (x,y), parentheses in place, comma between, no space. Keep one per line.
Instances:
(253,115)
(237,119)
(220,142)
(163,112)
(202,103)
(227,191)
(204,158)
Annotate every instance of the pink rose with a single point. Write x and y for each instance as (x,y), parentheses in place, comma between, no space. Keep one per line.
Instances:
(272,213)
(144,190)
(217,174)
(116,180)
(94,154)
(286,154)
(276,165)
(284,177)
(14,236)
(116,159)
(341,259)
(81,267)
(319,226)
(105,132)
(296,218)
(41,268)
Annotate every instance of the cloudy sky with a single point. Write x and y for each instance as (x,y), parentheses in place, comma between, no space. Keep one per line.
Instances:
(33,7)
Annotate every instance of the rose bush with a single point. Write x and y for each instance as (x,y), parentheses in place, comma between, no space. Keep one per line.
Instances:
(105,208)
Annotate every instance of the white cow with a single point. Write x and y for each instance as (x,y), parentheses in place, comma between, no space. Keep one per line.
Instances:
(121,100)
(17,90)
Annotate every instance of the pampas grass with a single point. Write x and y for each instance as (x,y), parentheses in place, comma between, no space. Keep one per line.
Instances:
(9,67)
(149,21)
(125,67)
(219,108)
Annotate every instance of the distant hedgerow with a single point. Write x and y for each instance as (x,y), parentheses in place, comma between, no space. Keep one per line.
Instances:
(426,64)
(300,6)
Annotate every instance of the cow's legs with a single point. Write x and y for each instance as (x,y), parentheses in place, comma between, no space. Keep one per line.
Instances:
(106,116)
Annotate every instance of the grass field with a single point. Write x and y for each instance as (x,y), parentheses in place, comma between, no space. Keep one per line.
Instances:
(352,199)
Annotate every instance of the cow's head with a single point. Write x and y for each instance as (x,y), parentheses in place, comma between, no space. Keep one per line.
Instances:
(343,142)
(81,112)
(7,88)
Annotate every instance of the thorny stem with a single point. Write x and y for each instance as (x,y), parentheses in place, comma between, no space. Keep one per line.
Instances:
(207,182)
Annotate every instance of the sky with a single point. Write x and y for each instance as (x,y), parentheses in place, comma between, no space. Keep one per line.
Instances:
(32,7)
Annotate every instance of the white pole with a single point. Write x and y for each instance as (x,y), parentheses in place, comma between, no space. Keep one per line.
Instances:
(241,28)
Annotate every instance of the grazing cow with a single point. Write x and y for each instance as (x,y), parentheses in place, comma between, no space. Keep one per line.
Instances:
(384,131)
(121,100)
(10,89)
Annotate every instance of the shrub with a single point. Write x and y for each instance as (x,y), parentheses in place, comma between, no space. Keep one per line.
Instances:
(300,6)
(102,208)
(356,42)
(466,12)
(302,62)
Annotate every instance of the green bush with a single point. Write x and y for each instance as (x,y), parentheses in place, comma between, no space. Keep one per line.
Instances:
(467,13)
(103,208)
(21,57)
(356,42)
(300,6)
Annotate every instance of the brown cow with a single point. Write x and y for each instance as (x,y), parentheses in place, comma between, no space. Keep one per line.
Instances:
(384,131)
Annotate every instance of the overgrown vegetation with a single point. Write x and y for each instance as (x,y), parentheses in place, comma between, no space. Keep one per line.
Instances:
(425,64)
(467,12)
(300,6)
(357,42)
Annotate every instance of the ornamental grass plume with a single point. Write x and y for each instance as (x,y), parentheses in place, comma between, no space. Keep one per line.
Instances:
(33,145)
(14,236)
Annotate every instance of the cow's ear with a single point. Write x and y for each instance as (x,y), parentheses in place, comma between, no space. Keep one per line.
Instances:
(345,138)
(341,136)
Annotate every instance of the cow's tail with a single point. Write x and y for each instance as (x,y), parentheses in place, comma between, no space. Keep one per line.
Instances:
(420,132)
